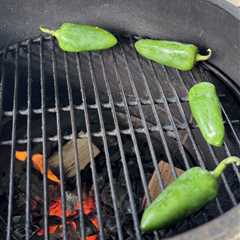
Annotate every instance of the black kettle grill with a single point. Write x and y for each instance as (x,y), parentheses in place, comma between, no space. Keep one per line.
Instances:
(135,111)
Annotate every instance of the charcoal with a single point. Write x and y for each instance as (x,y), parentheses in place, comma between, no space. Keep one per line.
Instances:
(18,219)
(121,196)
(110,223)
(129,228)
(90,228)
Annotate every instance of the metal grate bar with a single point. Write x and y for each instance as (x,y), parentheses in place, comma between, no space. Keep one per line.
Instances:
(226,146)
(146,131)
(76,153)
(106,105)
(24,112)
(29,162)
(234,165)
(136,148)
(231,126)
(13,147)
(105,144)
(44,141)
(223,177)
(181,148)
(59,134)
(166,128)
(222,76)
(160,127)
(135,145)
(93,167)
(2,84)
(123,159)
(132,131)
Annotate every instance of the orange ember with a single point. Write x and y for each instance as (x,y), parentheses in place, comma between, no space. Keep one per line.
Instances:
(37,160)
(94,237)
(52,229)
(55,209)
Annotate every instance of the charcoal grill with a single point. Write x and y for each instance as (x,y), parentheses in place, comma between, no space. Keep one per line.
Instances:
(136,112)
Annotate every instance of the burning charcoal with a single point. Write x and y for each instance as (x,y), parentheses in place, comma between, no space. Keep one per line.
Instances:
(90,228)
(72,216)
(55,226)
(73,235)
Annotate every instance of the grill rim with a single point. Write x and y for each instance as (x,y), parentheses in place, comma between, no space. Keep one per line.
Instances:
(227,6)
(224,222)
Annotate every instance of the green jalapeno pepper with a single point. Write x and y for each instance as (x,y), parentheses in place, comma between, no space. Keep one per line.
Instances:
(206,110)
(185,196)
(172,54)
(78,38)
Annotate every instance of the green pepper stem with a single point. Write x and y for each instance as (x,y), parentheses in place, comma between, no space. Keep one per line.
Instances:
(223,164)
(200,57)
(46,30)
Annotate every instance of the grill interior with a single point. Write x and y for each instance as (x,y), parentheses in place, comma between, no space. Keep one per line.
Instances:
(134,110)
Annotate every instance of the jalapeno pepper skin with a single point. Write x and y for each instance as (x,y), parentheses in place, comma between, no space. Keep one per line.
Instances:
(172,54)
(206,110)
(190,192)
(80,38)
(183,197)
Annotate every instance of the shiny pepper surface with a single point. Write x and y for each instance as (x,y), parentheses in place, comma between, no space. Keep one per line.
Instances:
(172,54)
(183,197)
(206,110)
(80,38)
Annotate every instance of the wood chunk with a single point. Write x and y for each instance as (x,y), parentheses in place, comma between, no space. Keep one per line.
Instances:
(167,177)
(69,156)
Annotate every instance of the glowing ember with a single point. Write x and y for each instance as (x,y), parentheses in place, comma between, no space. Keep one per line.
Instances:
(55,209)
(94,237)
(37,160)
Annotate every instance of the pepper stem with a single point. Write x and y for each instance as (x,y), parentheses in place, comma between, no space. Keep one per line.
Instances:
(46,30)
(200,57)
(223,164)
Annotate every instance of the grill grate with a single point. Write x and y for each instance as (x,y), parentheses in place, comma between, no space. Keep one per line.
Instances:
(129,97)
